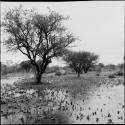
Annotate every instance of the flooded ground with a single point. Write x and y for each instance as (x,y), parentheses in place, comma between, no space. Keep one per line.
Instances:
(105,106)
(102,104)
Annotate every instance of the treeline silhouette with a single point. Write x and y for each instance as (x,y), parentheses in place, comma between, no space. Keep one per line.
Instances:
(25,66)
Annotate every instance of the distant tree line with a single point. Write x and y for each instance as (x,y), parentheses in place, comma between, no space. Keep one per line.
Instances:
(25,66)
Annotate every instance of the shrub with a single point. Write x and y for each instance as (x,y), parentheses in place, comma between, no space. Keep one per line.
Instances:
(52,69)
(111,76)
(97,74)
(119,73)
(58,73)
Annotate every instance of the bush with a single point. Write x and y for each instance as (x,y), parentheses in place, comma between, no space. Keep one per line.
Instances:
(52,69)
(111,76)
(58,73)
(119,73)
(97,74)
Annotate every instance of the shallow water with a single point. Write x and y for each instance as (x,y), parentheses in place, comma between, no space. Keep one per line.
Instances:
(102,105)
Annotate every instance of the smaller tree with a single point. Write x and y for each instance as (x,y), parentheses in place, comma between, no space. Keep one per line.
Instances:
(80,61)
(101,65)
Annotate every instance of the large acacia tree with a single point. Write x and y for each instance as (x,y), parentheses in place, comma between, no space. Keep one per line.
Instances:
(80,61)
(38,36)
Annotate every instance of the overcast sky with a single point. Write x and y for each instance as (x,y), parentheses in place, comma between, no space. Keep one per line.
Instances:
(99,25)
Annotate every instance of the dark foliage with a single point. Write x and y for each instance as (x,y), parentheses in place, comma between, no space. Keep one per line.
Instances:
(80,61)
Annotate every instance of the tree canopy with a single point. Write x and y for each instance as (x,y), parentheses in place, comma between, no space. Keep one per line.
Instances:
(37,36)
(80,61)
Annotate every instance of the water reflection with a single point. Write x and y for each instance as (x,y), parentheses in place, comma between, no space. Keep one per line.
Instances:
(105,105)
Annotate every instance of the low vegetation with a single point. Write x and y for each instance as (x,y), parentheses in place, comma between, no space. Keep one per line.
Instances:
(119,73)
(111,76)
(28,103)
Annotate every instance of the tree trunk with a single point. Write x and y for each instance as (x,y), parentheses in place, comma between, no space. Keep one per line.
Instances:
(78,75)
(85,70)
(38,78)
(40,70)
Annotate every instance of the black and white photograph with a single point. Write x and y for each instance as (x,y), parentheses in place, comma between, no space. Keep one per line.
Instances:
(62,62)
